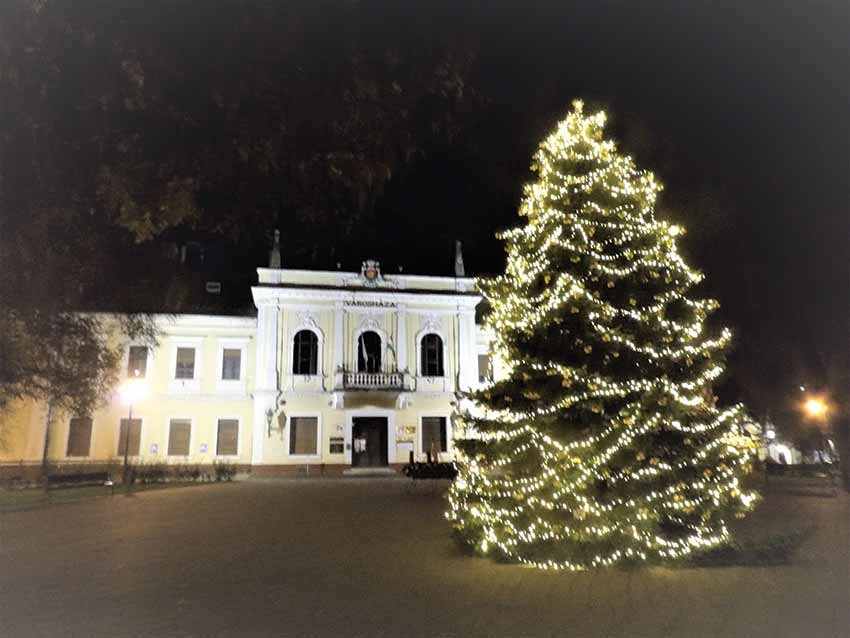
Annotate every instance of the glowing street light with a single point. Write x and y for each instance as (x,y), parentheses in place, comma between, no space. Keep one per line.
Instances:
(131,391)
(815,407)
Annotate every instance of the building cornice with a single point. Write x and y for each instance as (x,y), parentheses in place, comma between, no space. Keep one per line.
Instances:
(289,295)
(334,278)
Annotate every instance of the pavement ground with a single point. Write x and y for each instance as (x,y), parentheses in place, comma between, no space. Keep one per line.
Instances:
(366,558)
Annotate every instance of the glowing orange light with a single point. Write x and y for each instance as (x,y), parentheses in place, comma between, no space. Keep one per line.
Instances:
(815,407)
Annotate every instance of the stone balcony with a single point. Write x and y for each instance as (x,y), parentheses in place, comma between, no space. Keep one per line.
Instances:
(373,381)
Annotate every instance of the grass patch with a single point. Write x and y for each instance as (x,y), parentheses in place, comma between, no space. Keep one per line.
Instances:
(776,549)
(16,500)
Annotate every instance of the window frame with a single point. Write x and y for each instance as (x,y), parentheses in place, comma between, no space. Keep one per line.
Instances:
(441,354)
(238,420)
(168,421)
(420,431)
(288,435)
(491,376)
(224,360)
(194,352)
(68,454)
(382,351)
(148,359)
(186,386)
(295,358)
(232,386)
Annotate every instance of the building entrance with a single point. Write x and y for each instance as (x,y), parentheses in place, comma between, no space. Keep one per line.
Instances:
(369,442)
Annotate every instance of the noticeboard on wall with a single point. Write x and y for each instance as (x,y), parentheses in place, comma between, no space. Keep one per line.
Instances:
(337,445)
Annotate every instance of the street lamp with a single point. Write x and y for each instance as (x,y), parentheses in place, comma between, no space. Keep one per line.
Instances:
(815,407)
(132,391)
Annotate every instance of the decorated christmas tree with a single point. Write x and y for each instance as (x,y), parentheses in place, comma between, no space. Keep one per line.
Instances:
(604,444)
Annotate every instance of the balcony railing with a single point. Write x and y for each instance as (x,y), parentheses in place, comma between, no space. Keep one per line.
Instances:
(374,380)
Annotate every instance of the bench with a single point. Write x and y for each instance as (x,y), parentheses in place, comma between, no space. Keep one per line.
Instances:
(86,479)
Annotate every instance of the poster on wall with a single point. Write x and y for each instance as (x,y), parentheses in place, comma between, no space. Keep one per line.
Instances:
(405,433)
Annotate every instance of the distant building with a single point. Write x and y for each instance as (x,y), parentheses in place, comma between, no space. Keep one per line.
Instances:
(337,370)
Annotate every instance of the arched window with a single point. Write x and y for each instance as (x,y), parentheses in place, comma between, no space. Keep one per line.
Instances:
(305,359)
(369,352)
(432,356)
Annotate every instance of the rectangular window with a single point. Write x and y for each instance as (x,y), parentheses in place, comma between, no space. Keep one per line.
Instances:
(434,434)
(303,435)
(231,363)
(485,368)
(137,361)
(79,437)
(179,436)
(228,437)
(185,368)
(130,436)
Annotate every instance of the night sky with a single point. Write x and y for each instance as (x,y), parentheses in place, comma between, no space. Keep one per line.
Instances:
(740,108)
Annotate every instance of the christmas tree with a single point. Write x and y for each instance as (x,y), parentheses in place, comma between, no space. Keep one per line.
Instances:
(604,444)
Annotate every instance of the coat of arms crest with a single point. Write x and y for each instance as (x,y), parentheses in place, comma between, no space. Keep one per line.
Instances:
(370,271)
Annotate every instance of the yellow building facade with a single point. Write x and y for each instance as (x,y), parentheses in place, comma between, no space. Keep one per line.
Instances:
(339,372)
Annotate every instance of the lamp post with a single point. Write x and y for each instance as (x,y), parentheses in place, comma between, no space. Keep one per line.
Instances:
(816,408)
(132,391)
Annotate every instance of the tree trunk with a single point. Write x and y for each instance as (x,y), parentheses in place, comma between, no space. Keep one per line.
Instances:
(44,467)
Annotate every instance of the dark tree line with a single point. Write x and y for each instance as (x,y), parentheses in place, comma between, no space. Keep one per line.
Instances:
(125,124)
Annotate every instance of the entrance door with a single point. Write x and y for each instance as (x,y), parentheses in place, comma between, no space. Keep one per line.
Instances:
(369,442)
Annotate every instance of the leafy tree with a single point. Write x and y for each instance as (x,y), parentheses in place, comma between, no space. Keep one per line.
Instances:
(63,360)
(155,115)
(604,444)
(124,122)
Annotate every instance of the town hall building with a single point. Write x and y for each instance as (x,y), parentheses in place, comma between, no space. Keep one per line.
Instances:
(339,372)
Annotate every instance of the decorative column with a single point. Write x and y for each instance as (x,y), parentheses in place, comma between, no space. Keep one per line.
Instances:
(468,360)
(401,342)
(266,377)
(339,345)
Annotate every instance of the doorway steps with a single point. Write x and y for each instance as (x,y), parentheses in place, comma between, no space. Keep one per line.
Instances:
(369,471)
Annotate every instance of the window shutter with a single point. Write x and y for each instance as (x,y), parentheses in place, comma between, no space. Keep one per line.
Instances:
(179,436)
(228,437)
(79,437)
(303,432)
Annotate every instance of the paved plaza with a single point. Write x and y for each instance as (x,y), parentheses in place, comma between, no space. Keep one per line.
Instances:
(365,558)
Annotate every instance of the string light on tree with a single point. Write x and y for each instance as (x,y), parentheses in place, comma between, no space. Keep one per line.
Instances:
(604,444)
